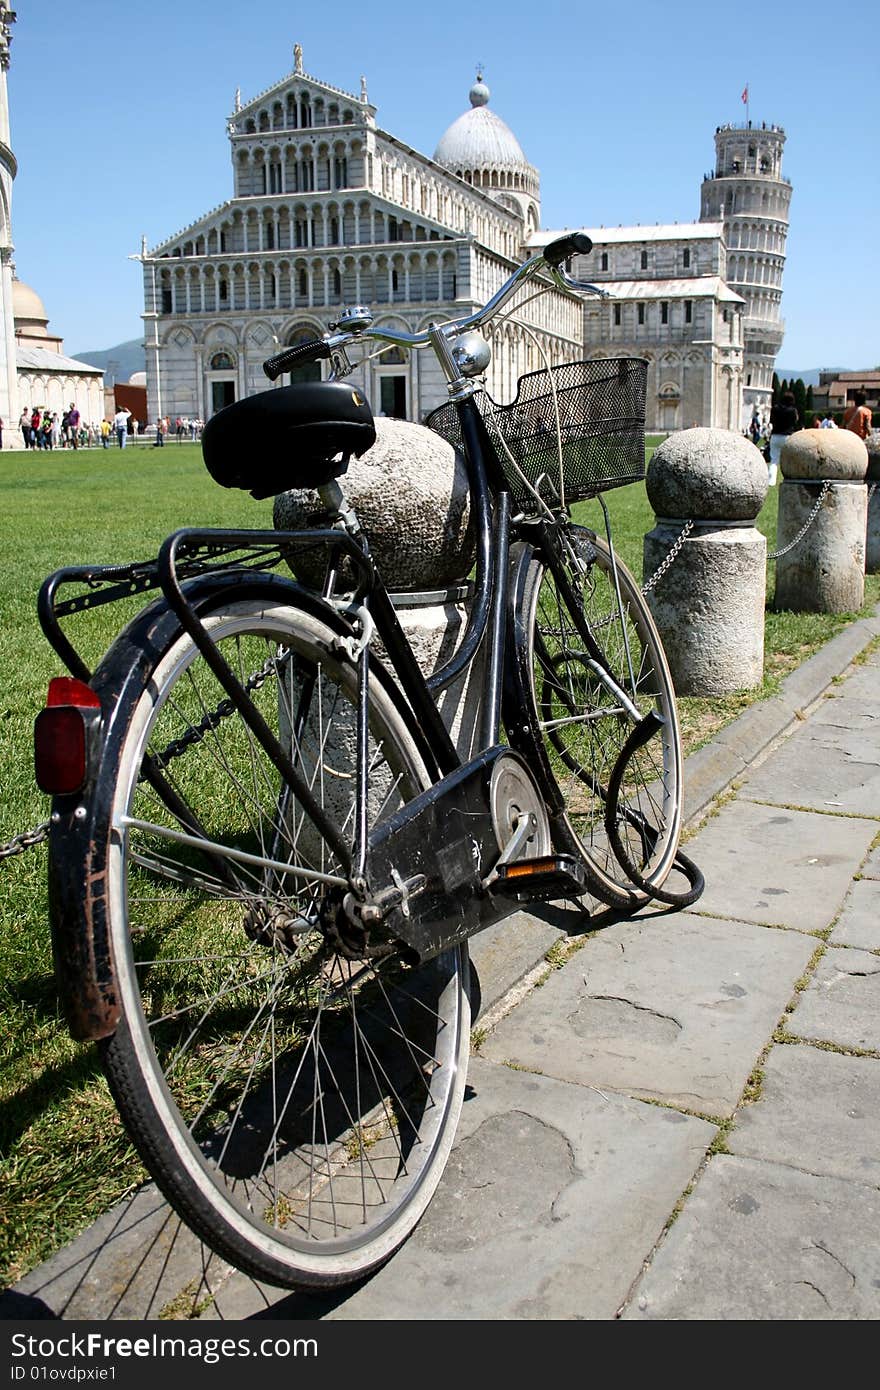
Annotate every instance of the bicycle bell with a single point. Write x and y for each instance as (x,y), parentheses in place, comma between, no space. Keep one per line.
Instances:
(472,354)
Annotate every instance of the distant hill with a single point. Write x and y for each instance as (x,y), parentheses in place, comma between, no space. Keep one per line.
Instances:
(126,359)
(809,375)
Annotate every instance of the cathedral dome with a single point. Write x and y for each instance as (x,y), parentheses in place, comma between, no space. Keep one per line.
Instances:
(28,308)
(480,140)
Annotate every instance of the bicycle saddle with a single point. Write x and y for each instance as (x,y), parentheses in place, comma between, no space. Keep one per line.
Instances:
(295,436)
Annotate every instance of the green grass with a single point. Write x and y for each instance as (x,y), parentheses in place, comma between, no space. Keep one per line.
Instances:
(63,1153)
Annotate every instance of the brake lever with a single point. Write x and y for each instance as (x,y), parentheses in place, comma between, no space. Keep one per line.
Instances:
(340,364)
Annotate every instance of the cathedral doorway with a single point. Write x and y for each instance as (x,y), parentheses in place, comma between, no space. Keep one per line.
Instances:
(392,394)
(222,394)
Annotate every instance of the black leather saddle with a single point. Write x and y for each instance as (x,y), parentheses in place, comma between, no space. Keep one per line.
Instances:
(295,436)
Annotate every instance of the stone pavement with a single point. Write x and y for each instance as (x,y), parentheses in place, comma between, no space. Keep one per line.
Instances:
(678,1117)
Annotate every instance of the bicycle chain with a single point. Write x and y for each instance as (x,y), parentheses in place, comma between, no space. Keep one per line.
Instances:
(212,719)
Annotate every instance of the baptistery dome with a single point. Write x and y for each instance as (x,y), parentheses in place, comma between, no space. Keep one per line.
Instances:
(28,310)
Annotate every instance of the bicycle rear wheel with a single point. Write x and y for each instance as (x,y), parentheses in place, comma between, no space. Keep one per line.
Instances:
(295,1100)
(580,731)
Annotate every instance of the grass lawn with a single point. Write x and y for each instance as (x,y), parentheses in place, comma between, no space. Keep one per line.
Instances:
(64,1156)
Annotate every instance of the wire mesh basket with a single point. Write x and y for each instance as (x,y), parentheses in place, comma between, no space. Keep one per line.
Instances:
(572,432)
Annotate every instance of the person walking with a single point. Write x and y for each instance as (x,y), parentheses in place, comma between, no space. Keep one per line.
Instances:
(73,421)
(105,433)
(161,426)
(120,425)
(24,425)
(36,420)
(784,420)
(858,416)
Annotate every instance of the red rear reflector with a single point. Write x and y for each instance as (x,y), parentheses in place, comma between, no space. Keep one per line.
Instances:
(60,750)
(67,690)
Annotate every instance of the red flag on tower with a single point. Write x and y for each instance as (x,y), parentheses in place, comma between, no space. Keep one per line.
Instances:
(745,94)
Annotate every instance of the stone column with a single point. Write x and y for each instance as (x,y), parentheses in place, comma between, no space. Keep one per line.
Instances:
(709,603)
(825,571)
(410,494)
(872,538)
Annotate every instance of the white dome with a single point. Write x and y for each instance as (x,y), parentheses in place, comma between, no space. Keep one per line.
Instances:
(27,306)
(137,379)
(479,139)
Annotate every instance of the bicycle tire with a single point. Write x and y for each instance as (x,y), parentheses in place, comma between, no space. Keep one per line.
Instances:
(577,733)
(295,1106)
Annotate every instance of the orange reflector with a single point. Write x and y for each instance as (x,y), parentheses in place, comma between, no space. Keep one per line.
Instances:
(526,867)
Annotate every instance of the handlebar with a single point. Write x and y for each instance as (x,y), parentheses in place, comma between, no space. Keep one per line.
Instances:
(354,326)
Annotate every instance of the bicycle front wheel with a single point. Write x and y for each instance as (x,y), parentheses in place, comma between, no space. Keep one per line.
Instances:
(295,1096)
(580,729)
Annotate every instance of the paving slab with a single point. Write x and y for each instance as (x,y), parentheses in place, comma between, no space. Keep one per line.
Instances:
(841,1097)
(760,1241)
(552,1199)
(841,1004)
(859,921)
(827,768)
(505,952)
(674,1008)
(775,865)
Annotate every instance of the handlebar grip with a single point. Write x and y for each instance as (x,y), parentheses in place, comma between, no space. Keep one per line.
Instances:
(295,356)
(573,244)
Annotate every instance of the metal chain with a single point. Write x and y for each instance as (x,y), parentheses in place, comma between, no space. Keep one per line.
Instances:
(777,554)
(665,563)
(19,843)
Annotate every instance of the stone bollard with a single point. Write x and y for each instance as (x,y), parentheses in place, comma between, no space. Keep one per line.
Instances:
(872,532)
(825,571)
(410,494)
(709,603)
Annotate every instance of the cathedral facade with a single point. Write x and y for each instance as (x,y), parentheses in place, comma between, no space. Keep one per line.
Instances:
(327,210)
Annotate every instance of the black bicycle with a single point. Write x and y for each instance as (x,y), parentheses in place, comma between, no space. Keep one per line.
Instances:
(266,855)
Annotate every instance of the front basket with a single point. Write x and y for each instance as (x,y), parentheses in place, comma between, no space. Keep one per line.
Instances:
(588,417)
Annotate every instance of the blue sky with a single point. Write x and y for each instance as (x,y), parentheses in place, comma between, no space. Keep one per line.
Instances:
(118,124)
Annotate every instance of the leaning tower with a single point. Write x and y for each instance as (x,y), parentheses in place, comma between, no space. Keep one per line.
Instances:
(748,194)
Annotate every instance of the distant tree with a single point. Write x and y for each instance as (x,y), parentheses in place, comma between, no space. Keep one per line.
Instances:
(776,388)
(810,403)
(799,391)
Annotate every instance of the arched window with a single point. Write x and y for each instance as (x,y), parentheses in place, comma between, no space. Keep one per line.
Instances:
(222,362)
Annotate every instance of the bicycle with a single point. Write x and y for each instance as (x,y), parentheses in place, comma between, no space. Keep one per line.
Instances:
(266,855)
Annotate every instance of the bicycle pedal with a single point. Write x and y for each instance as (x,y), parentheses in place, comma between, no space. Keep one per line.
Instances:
(550,876)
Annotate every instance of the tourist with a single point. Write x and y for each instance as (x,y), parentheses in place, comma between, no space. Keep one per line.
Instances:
(120,425)
(46,430)
(73,423)
(829,422)
(161,426)
(24,425)
(105,433)
(56,430)
(36,420)
(784,420)
(133,428)
(178,425)
(858,416)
